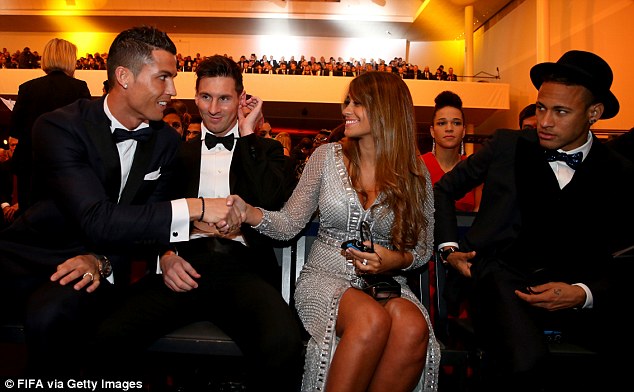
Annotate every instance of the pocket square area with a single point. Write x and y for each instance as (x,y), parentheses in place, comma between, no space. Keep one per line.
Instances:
(153,175)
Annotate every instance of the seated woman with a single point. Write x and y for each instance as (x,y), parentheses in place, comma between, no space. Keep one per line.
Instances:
(448,131)
(375,179)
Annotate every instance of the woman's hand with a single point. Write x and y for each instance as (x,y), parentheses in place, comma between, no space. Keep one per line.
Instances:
(380,261)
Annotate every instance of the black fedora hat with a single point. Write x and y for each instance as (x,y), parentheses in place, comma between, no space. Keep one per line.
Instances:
(588,70)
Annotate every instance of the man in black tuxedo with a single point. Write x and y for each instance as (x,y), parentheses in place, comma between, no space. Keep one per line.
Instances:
(539,253)
(231,279)
(104,170)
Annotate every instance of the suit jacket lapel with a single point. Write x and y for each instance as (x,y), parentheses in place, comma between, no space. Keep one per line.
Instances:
(191,161)
(101,137)
(140,167)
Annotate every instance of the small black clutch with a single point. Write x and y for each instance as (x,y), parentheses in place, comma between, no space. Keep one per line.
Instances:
(381,287)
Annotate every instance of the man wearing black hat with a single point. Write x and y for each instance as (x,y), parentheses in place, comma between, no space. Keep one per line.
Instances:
(556,204)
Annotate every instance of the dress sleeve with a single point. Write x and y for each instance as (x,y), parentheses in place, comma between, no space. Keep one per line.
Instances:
(303,203)
(423,251)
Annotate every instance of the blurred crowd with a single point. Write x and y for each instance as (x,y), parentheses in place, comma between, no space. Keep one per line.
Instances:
(332,66)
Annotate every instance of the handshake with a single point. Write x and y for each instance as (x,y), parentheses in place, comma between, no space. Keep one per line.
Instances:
(222,214)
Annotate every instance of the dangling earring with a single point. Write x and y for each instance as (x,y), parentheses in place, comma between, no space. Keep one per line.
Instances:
(433,147)
(462,148)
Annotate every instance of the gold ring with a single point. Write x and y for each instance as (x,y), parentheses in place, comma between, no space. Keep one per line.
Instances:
(92,277)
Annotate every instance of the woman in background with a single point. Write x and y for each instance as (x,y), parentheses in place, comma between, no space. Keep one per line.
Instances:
(374,177)
(448,130)
(38,96)
(285,139)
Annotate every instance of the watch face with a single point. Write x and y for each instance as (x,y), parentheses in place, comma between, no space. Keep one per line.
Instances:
(105,268)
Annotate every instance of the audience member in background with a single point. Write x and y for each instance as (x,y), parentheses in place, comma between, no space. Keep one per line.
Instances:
(527,117)
(338,133)
(440,73)
(106,87)
(27,59)
(374,178)
(426,74)
(556,204)
(35,97)
(106,168)
(8,192)
(320,138)
(300,154)
(181,107)
(448,131)
(194,130)
(173,118)
(451,77)
(624,144)
(228,279)
(265,130)
(287,143)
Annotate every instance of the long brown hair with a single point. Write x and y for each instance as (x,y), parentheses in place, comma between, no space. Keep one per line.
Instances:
(400,173)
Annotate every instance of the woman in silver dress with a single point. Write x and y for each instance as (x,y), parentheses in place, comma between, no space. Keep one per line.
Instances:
(373,177)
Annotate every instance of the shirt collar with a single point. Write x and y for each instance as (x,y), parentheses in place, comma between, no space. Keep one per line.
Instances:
(114,123)
(585,148)
(204,131)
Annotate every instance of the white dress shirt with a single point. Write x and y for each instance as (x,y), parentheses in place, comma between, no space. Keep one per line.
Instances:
(180,212)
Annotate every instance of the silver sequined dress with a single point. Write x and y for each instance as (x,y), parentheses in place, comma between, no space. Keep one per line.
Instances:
(325,185)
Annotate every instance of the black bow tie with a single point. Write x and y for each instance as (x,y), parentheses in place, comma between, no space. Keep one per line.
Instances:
(141,135)
(572,160)
(212,140)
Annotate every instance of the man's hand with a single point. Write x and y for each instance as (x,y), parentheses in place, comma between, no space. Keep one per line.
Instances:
(178,274)
(250,115)
(83,267)
(460,262)
(553,296)
(9,212)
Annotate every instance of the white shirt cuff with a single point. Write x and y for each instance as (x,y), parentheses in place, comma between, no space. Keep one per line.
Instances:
(454,244)
(179,231)
(589,299)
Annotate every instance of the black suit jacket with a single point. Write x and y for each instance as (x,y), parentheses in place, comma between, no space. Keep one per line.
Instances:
(259,174)
(36,97)
(78,170)
(528,222)
(624,144)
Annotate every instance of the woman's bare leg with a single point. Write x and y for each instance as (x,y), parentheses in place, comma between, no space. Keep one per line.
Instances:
(403,359)
(363,326)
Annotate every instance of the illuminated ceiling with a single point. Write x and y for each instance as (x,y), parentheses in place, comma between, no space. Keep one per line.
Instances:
(413,20)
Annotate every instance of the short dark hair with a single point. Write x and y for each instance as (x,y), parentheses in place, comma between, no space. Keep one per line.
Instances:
(133,48)
(220,66)
(528,111)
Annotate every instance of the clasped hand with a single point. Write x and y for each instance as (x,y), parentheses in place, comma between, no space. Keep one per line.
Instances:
(224,215)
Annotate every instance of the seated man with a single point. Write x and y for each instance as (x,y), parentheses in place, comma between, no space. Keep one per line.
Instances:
(556,204)
(231,279)
(104,181)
